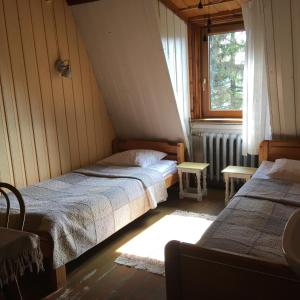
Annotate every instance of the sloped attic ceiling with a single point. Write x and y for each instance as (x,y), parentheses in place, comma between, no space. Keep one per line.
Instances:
(123,42)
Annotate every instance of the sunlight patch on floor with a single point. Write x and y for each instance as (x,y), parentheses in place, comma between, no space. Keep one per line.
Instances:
(180,225)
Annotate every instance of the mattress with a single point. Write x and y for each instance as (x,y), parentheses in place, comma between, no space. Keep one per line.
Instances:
(165,167)
(263,170)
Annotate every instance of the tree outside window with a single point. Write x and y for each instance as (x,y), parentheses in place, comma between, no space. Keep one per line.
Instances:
(226,70)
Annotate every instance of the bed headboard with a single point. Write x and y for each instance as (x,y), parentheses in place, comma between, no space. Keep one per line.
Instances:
(271,150)
(174,150)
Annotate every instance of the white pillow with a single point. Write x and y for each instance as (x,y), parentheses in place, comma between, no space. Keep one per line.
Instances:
(138,157)
(286,169)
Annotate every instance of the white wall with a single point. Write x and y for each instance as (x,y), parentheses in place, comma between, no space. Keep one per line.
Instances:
(123,42)
(174,36)
(282,23)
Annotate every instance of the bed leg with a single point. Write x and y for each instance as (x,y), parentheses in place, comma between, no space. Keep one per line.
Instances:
(58,278)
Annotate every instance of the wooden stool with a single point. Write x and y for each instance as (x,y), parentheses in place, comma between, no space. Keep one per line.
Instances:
(235,172)
(192,168)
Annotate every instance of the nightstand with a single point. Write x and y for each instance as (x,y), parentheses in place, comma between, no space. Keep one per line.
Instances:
(235,172)
(199,169)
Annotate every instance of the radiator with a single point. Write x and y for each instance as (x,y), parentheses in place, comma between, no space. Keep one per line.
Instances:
(220,150)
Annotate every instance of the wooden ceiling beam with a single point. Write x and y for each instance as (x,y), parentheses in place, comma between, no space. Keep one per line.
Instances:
(231,16)
(191,12)
(218,15)
(169,4)
(204,5)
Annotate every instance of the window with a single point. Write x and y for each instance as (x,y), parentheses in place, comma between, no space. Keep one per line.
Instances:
(223,72)
(218,58)
(226,67)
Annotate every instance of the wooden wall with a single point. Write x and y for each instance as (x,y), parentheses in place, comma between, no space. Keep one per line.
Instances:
(124,44)
(282,25)
(49,125)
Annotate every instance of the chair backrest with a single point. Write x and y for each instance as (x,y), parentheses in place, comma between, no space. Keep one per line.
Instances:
(19,197)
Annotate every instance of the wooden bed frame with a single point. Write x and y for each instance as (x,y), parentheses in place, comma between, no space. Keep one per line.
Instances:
(57,277)
(271,150)
(194,272)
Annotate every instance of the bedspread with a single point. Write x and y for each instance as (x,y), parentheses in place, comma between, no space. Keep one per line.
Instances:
(276,190)
(254,220)
(152,181)
(80,211)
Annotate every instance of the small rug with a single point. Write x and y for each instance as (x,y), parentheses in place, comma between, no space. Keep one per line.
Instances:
(146,250)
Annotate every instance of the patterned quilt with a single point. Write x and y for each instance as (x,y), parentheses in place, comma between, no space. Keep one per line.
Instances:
(152,181)
(276,190)
(80,211)
(254,221)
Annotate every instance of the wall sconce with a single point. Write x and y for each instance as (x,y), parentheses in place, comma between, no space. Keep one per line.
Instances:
(63,67)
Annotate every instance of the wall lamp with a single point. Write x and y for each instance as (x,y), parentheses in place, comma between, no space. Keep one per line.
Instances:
(63,67)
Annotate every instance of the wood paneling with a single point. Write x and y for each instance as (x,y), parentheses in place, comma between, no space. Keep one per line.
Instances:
(188,9)
(295,26)
(283,45)
(174,8)
(20,89)
(49,125)
(194,12)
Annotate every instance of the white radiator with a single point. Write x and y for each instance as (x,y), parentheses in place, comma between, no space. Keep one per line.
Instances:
(220,150)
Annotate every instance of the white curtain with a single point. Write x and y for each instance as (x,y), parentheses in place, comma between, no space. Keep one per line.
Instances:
(256,118)
(174,37)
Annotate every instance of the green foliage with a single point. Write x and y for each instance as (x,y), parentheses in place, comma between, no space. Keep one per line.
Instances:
(226,57)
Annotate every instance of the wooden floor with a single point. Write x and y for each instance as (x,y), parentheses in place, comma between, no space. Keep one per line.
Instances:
(96,276)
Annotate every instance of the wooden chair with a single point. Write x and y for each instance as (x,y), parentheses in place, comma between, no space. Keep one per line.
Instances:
(13,290)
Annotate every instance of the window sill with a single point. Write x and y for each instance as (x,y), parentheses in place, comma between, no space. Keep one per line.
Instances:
(218,121)
(216,125)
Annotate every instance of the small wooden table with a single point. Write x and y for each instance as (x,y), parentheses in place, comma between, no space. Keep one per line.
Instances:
(235,172)
(197,169)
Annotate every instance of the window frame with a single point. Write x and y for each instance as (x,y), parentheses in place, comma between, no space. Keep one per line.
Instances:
(199,72)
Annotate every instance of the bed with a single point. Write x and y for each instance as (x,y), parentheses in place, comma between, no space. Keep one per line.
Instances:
(86,206)
(240,255)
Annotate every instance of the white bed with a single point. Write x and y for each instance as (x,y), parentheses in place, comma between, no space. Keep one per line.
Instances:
(77,211)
